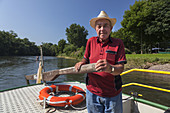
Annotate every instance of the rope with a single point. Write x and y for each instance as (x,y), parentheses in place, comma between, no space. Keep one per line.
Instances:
(78,108)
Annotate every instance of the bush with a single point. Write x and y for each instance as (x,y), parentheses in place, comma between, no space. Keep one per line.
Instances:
(69,49)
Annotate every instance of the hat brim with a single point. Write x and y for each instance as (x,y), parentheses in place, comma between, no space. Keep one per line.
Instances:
(93,21)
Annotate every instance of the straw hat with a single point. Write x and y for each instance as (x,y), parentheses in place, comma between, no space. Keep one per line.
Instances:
(102,15)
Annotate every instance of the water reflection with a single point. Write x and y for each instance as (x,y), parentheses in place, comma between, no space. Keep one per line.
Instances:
(157,80)
(13,69)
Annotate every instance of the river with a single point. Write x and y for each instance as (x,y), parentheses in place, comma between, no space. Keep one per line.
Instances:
(13,69)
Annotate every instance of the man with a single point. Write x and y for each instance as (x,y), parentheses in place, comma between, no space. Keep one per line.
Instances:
(103,93)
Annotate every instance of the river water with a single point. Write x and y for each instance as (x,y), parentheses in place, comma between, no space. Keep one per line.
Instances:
(13,69)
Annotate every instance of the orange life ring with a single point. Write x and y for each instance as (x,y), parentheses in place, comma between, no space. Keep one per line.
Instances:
(62,101)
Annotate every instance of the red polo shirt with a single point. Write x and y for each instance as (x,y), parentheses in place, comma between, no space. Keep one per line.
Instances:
(102,83)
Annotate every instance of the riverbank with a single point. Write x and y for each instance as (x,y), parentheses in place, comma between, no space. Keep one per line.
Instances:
(163,67)
(66,57)
(152,66)
(143,61)
(148,61)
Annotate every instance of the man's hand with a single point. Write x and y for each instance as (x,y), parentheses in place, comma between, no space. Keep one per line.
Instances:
(78,66)
(103,65)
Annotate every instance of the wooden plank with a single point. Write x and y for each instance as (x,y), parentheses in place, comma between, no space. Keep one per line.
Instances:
(52,75)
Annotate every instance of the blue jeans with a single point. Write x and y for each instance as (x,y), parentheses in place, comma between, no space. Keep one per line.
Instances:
(98,104)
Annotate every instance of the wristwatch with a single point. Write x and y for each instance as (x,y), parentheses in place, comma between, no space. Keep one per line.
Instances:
(112,69)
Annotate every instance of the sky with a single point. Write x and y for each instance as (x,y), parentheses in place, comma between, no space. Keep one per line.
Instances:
(46,20)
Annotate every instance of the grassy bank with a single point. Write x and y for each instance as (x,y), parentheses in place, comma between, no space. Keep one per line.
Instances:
(144,61)
(140,61)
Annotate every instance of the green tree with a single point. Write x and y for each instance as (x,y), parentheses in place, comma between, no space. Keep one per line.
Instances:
(80,52)
(7,42)
(127,39)
(134,21)
(25,47)
(2,43)
(76,35)
(148,22)
(11,44)
(159,27)
(68,49)
(54,50)
(61,45)
(46,47)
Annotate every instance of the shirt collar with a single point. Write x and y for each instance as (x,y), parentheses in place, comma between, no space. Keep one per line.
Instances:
(110,40)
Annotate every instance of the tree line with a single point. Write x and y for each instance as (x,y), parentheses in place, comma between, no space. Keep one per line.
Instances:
(12,45)
(144,25)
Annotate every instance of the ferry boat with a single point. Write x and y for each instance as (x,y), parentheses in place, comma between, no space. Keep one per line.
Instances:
(25,99)
(69,97)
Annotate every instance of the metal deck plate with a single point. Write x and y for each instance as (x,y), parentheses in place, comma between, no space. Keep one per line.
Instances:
(24,100)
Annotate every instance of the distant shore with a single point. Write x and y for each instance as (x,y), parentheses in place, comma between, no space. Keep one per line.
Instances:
(66,57)
(146,61)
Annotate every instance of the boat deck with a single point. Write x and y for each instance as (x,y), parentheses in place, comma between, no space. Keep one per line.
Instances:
(25,100)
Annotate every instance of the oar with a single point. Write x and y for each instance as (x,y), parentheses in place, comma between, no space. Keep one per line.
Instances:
(52,75)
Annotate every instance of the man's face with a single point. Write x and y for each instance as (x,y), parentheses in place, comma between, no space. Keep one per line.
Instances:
(103,29)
